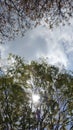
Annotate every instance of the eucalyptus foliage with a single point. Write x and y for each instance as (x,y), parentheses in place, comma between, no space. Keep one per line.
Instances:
(16,17)
(55,88)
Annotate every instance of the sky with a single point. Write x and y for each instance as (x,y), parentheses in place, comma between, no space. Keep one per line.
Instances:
(54,44)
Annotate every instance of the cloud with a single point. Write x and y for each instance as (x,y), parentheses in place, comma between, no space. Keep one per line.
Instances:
(29,47)
(56,44)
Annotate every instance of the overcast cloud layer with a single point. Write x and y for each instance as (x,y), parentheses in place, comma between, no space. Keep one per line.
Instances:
(56,44)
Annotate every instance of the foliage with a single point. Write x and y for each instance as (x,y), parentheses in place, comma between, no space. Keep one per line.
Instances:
(18,16)
(56,96)
(55,107)
(13,95)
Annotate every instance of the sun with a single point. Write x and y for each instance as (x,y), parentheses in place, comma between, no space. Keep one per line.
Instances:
(35,98)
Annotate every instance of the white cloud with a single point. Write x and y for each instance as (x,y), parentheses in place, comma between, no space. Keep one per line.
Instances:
(56,44)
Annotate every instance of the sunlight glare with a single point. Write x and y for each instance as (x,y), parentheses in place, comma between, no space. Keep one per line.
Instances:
(35,98)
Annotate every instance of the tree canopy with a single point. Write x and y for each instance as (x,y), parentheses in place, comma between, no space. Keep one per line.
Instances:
(18,16)
(54,110)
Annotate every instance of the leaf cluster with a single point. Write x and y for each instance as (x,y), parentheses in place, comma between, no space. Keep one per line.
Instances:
(16,17)
(17,109)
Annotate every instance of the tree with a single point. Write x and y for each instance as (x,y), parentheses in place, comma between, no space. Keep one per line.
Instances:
(18,16)
(13,95)
(55,89)
(54,110)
